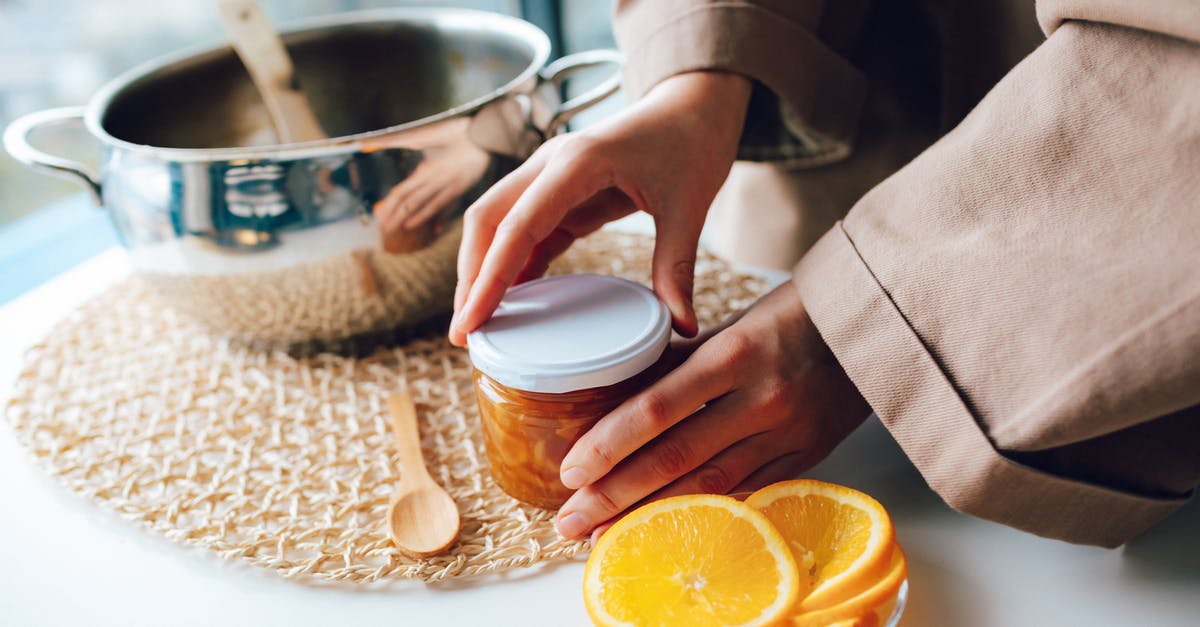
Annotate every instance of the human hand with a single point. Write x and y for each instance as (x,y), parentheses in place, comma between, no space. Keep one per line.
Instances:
(666,155)
(760,401)
(450,166)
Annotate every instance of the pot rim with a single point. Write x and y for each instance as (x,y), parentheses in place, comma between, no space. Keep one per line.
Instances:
(518,28)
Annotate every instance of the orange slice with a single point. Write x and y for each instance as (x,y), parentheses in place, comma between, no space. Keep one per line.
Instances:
(697,560)
(841,539)
(869,608)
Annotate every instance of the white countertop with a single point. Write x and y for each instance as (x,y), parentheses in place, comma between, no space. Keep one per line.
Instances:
(66,561)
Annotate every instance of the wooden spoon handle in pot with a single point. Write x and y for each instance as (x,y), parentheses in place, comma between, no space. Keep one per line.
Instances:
(271,69)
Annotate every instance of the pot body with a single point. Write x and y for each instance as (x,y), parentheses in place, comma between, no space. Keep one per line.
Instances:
(314,244)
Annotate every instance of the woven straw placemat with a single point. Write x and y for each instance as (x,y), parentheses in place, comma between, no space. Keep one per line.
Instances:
(283,462)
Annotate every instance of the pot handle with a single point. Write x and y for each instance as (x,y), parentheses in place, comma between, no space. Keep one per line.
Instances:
(16,142)
(558,71)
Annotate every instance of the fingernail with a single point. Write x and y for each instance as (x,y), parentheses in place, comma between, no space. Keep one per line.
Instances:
(574,477)
(456,322)
(572,525)
(461,314)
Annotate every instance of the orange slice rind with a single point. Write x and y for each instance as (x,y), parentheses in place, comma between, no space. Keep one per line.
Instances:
(869,608)
(841,539)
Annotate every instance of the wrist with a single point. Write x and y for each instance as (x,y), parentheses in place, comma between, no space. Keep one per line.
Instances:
(718,98)
(797,330)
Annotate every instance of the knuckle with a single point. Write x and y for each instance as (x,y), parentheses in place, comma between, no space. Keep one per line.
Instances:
(670,459)
(776,393)
(714,479)
(604,502)
(477,217)
(776,403)
(682,274)
(652,407)
(601,455)
(512,230)
(732,346)
(684,269)
(578,144)
(580,151)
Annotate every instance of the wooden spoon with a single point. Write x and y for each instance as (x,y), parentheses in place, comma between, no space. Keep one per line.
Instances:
(270,67)
(422,518)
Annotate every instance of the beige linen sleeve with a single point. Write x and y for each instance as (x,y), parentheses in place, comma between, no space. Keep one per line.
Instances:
(806,99)
(1021,303)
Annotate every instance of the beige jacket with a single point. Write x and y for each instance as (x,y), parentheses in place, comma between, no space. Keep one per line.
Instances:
(1020,303)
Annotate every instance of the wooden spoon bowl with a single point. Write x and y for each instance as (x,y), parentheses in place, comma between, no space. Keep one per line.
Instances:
(422,519)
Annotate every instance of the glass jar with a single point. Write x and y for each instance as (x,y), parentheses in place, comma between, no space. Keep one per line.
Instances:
(527,434)
(558,355)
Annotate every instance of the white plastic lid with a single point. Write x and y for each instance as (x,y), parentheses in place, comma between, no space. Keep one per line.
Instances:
(571,332)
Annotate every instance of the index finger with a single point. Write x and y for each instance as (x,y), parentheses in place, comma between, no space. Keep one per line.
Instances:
(479,228)
(702,378)
(561,186)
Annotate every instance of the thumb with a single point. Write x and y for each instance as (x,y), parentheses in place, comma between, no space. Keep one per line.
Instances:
(677,235)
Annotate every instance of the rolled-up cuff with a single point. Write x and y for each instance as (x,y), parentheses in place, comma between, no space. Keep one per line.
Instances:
(814,96)
(919,405)
(1176,18)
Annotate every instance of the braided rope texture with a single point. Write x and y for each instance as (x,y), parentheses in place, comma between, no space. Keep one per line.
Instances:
(286,462)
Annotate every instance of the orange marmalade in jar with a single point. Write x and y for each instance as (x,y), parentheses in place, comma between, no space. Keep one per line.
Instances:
(559,354)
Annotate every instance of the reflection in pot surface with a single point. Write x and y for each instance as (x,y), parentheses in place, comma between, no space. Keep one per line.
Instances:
(384,220)
(328,304)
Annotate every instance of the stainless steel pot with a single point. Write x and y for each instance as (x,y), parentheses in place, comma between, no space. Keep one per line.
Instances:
(309,244)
